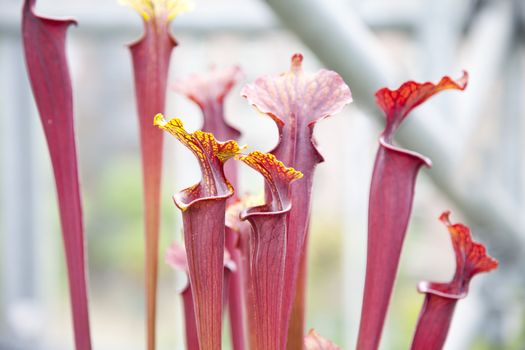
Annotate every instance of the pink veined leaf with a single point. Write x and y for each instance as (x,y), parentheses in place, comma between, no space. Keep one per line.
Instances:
(296,101)
(208,91)
(177,259)
(441,298)
(268,250)
(203,214)
(235,292)
(151,57)
(230,268)
(313,341)
(44,47)
(390,204)
(240,232)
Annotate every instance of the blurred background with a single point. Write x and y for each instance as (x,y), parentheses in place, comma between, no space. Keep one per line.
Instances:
(475,139)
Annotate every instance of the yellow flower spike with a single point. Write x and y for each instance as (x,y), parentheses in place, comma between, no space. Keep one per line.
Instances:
(168,9)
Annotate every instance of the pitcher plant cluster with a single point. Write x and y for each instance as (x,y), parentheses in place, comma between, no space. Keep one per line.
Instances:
(245,256)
